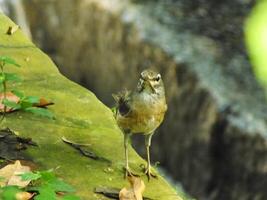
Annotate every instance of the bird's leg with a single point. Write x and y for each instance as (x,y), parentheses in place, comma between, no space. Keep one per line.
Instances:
(126,142)
(127,168)
(148,144)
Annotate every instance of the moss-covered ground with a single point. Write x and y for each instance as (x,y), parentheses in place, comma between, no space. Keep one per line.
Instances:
(80,117)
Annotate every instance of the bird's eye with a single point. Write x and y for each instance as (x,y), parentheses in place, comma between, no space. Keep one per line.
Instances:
(158,77)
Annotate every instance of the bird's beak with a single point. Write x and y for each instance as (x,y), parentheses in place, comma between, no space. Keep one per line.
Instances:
(144,83)
(151,86)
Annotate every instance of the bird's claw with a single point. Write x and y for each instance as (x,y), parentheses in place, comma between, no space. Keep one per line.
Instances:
(128,173)
(149,174)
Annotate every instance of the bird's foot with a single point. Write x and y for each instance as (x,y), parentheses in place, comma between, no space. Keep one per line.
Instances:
(149,174)
(128,173)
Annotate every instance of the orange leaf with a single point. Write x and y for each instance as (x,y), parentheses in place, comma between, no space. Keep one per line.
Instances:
(43,103)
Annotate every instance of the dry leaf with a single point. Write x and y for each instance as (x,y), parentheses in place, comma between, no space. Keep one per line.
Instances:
(136,190)
(112,193)
(126,194)
(43,103)
(9,96)
(24,195)
(10,175)
(12,29)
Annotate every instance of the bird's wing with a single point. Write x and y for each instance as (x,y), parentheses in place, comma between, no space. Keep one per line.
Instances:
(123,102)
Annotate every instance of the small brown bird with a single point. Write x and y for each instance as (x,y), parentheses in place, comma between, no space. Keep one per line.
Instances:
(141,112)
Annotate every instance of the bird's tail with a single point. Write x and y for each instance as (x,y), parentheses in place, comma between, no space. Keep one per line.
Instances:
(120,98)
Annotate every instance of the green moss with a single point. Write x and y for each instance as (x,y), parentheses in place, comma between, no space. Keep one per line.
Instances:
(80,117)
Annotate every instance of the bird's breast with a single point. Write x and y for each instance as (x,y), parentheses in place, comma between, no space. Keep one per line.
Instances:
(146,115)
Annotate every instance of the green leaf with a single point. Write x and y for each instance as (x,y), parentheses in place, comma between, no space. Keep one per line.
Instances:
(25,104)
(9,192)
(48,175)
(48,185)
(32,99)
(27,101)
(41,112)
(49,178)
(45,193)
(70,197)
(30,176)
(11,104)
(18,93)
(12,77)
(8,60)
(2,78)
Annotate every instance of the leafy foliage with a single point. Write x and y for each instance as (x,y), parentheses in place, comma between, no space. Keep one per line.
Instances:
(41,112)
(44,183)
(9,192)
(11,77)
(7,60)
(30,176)
(4,77)
(18,93)
(47,185)
(11,104)
(26,103)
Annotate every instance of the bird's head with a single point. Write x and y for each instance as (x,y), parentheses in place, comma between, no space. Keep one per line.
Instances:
(151,82)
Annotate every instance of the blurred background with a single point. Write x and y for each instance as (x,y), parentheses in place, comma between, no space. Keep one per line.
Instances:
(212,55)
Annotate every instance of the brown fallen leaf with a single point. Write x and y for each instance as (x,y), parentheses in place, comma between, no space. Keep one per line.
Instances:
(135,191)
(10,175)
(9,96)
(24,195)
(12,29)
(43,103)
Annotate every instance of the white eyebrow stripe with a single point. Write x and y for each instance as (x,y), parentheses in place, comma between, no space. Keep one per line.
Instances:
(142,74)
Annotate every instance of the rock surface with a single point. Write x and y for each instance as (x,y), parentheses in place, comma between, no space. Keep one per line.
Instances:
(213,139)
(80,117)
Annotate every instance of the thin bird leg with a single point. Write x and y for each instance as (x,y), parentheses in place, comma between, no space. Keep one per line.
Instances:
(126,142)
(148,169)
(127,168)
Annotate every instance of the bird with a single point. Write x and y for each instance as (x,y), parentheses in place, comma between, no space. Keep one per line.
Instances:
(141,111)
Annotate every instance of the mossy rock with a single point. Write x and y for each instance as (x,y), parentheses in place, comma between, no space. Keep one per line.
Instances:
(80,117)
